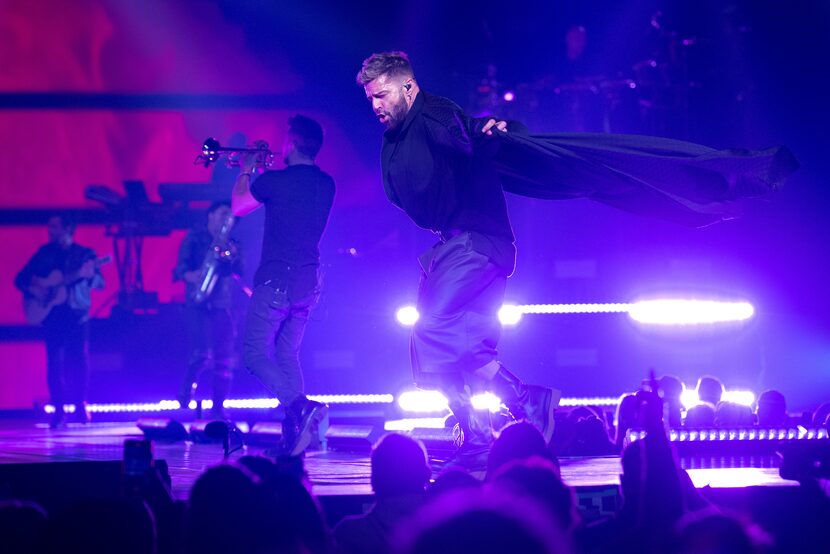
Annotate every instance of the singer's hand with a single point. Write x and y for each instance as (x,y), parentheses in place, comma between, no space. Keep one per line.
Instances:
(499,125)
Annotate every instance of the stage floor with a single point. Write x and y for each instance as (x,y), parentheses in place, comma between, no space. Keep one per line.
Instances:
(332,473)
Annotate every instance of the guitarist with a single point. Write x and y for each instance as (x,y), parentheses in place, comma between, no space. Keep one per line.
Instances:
(62,262)
(208,321)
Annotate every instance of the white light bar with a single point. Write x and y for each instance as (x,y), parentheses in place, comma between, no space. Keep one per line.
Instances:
(653,312)
(690,399)
(742,397)
(353,398)
(612,308)
(408,424)
(251,403)
(161,406)
(486,401)
(238,403)
(423,401)
(689,312)
(590,401)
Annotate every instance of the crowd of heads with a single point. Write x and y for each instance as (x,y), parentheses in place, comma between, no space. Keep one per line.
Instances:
(523,504)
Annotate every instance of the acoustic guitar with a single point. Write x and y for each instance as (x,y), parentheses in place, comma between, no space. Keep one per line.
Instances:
(47,292)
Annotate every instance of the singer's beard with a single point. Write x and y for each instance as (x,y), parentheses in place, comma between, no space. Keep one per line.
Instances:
(394,117)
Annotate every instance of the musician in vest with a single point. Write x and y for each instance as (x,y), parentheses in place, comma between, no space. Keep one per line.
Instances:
(297,200)
(56,284)
(208,263)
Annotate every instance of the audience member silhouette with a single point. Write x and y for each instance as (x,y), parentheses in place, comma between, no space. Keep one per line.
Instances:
(222,512)
(399,473)
(451,480)
(484,521)
(732,415)
(709,389)
(714,533)
(104,526)
(292,519)
(772,409)
(538,479)
(23,527)
(517,441)
(671,389)
(651,489)
(625,419)
(590,438)
(701,416)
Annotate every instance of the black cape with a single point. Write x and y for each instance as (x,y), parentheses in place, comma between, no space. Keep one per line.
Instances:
(670,179)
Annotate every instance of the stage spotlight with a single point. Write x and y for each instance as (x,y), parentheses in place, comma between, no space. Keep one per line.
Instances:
(689,398)
(509,96)
(742,397)
(431,401)
(408,424)
(510,315)
(422,401)
(486,401)
(407,315)
(162,429)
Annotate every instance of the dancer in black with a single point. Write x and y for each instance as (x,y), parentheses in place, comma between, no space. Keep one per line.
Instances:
(449,171)
(432,170)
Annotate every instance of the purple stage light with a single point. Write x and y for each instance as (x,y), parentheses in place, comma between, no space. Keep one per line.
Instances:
(423,401)
(607,308)
(486,401)
(509,96)
(353,398)
(408,424)
(689,312)
(432,401)
(238,403)
(248,403)
(590,401)
(510,315)
(742,397)
(160,406)
(689,398)
(407,315)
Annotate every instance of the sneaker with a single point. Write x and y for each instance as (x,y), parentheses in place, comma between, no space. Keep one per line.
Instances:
(310,414)
(531,403)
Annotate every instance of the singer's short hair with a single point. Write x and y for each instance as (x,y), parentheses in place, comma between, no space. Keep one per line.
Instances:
(384,63)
